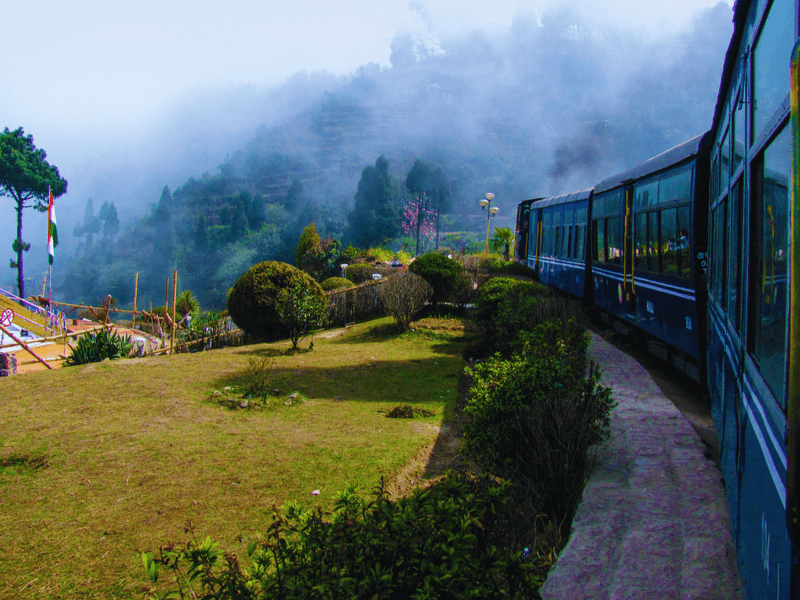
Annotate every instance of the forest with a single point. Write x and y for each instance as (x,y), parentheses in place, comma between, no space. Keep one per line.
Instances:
(547,108)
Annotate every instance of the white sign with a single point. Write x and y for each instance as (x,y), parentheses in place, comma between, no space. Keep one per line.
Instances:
(7,317)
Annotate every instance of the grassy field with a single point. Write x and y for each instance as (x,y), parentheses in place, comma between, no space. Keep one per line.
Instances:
(99,461)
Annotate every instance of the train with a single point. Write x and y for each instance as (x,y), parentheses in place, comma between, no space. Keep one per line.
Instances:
(697,250)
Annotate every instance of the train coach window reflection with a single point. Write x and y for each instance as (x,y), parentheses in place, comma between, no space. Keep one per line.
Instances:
(653,254)
(645,195)
(734,251)
(770,269)
(684,243)
(676,187)
(770,63)
(613,251)
(668,240)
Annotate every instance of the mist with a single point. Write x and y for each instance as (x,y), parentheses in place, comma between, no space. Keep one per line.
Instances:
(551,103)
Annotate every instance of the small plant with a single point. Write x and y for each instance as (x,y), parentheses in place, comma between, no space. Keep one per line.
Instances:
(403,296)
(258,375)
(336,283)
(301,309)
(99,346)
(406,411)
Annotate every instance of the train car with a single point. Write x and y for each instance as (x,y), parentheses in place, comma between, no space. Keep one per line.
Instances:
(648,252)
(752,354)
(522,236)
(557,248)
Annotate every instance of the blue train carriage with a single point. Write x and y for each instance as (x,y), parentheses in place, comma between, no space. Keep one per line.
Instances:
(750,305)
(649,256)
(522,237)
(557,249)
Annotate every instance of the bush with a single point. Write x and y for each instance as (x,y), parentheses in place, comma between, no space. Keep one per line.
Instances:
(186,303)
(301,308)
(533,418)
(491,293)
(403,295)
(465,291)
(336,283)
(448,541)
(252,301)
(97,347)
(440,272)
(308,240)
(362,272)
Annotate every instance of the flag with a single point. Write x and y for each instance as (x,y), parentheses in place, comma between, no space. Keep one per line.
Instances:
(52,229)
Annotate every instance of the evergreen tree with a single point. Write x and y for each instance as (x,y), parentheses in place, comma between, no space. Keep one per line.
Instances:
(109,219)
(375,216)
(26,176)
(309,239)
(163,210)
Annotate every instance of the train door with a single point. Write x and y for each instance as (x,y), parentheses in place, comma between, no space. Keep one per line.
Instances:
(629,277)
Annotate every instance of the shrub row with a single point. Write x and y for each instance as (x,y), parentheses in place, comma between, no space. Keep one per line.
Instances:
(448,541)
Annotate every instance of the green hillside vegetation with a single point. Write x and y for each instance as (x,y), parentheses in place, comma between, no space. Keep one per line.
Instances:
(100,461)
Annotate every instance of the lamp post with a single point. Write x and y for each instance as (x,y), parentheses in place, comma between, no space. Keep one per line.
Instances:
(491,212)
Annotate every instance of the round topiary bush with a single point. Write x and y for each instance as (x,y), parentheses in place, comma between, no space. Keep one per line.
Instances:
(252,301)
(336,283)
(440,272)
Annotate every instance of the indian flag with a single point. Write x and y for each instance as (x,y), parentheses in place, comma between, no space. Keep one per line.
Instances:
(52,229)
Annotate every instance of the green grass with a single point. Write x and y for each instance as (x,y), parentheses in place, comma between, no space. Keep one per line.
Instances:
(110,458)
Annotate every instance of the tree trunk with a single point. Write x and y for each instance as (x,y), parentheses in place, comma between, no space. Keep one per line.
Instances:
(20,250)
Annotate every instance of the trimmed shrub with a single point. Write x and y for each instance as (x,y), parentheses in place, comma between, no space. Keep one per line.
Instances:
(252,301)
(440,272)
(465,291)
(336,283)
(362,272)
(403,295)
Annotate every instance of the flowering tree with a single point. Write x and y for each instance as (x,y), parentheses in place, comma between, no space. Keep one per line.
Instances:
(419,221)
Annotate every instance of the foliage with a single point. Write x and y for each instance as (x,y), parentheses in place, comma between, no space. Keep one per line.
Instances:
(26,176)
(419,221)
(321,260)
(350,255)
(336,283)
(440,272)
(492,292)
(403,295)
(374,218)
(363,272)
(533,418)
(186,303)
(253,300)
(448,541)
(501,240)
(99,346)
(406,411)
(308,240)
(301,309)
(465,291)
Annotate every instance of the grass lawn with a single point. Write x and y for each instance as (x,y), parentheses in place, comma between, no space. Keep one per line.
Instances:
(99,461)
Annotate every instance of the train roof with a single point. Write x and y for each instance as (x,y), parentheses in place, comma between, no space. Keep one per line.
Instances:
(564,198)
(665,160)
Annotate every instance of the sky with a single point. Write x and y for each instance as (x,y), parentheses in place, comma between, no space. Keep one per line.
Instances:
(95,81)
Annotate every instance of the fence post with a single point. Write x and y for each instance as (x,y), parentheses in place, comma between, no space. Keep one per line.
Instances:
(174,325)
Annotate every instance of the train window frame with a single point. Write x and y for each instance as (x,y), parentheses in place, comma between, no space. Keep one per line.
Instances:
(558,232)
(734,250)
(761,120)
(772,372)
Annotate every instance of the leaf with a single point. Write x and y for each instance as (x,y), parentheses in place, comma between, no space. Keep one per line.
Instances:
(151,566)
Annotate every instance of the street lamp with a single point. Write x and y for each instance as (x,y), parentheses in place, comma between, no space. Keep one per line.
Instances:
(492,211)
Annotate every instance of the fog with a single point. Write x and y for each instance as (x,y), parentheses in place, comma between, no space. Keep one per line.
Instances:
(521,102)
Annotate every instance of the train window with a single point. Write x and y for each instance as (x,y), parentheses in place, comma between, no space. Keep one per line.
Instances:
(569,215)
(599,246)
(771,64)
(640,241)
(645,195)
(653,254)
(738,133)
(734,253)
(544,247)
(534,234)
(684,245)
(725,166)
(668,242)
(676,187)
(613,250)
(558,232)
(578,248)
(770,265)
(613,203)
(714,184)
(718,256)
